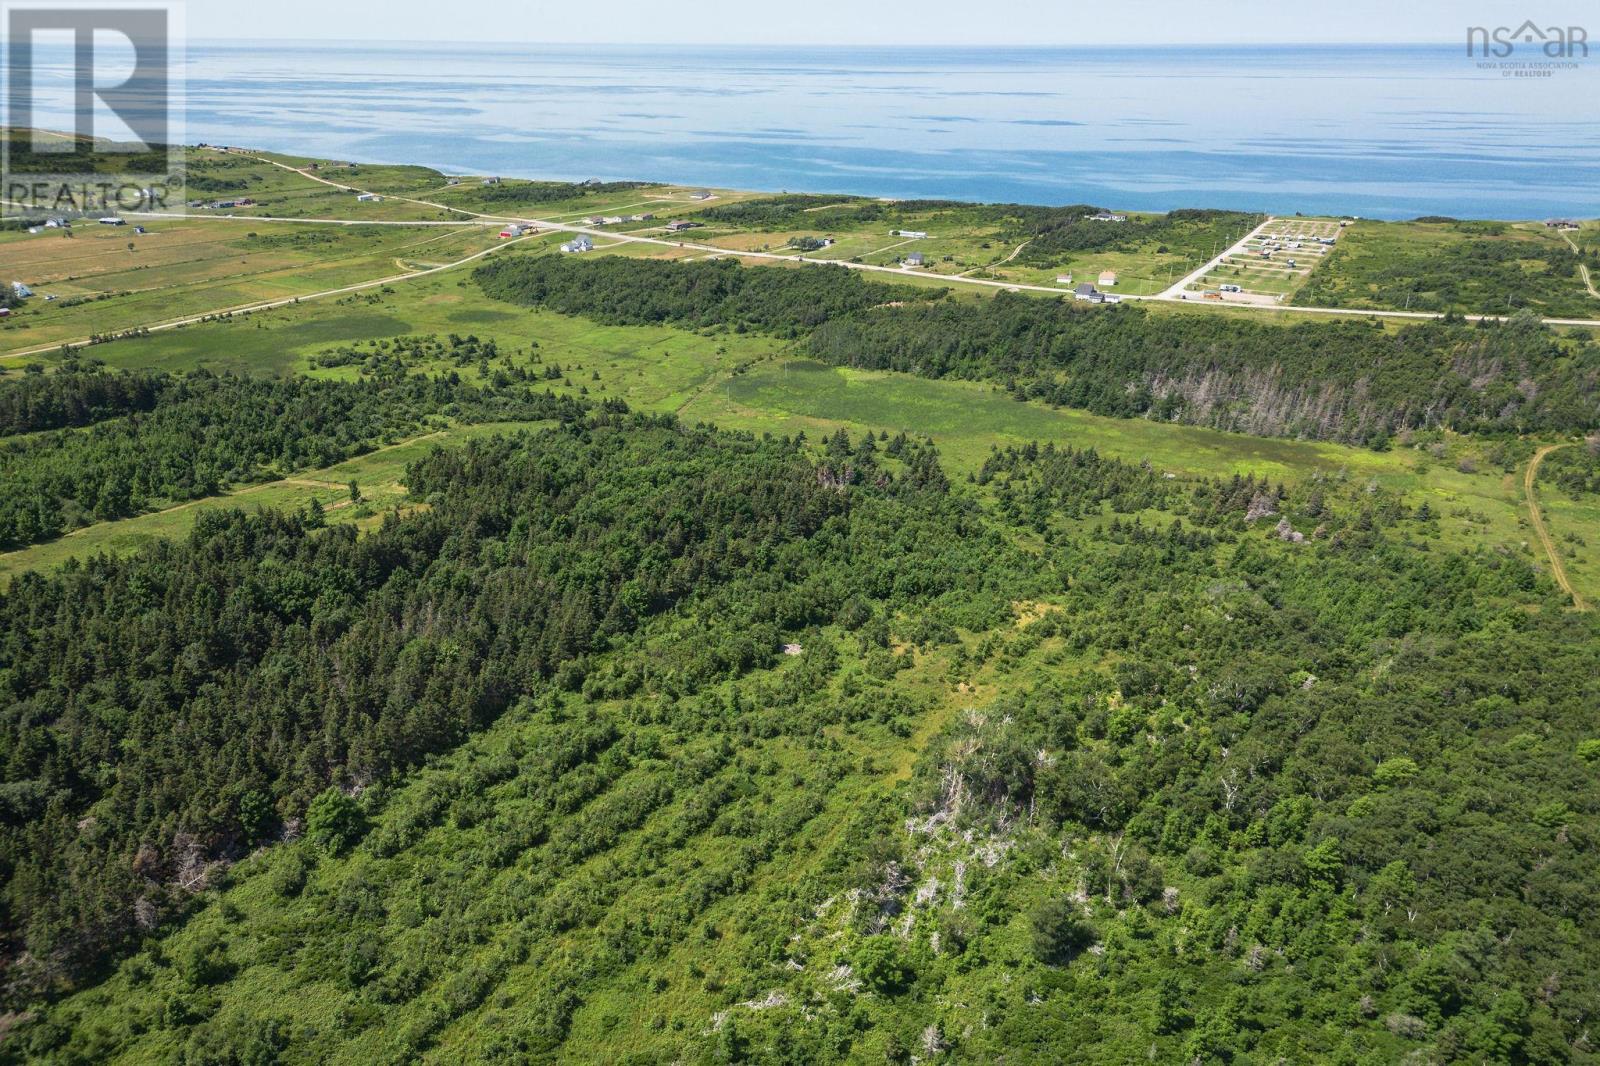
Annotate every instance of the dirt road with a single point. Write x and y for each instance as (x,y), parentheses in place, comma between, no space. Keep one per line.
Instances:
(1557,569)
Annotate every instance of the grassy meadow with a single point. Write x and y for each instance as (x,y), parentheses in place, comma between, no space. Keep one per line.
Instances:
(755,383)
(1492,268)
(106,280)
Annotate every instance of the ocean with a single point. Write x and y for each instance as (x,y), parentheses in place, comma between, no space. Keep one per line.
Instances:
(1387,132)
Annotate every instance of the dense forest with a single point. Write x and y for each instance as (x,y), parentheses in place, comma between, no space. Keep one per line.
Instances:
(237,674)
(1053,233)
(784,302)
(120,443)
(629,740)
(1349,381)
(795,209)
(1210,770)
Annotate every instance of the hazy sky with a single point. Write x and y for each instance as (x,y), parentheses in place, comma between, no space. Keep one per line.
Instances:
(1017,22)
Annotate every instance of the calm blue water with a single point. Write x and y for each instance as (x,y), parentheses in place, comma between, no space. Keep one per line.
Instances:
(1378,131)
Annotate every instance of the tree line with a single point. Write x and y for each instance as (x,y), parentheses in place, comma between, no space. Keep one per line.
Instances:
(117,443)
(1350,381)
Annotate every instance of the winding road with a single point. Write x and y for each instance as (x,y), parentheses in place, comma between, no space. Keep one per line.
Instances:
(1558,570)
(1583,271)
(270,304)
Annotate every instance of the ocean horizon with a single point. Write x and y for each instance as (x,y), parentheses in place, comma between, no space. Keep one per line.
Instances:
(1390,131)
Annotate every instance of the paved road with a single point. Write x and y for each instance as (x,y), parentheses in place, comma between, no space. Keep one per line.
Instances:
(565,227)
(1176,290)
(1558,569)
(1171,294)
(1017,286)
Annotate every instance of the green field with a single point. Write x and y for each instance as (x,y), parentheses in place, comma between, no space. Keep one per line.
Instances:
(749,382)
(833,714)
(278,191)
(107,280)
(1492,268)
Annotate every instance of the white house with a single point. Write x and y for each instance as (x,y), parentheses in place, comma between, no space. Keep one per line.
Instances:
(700,194)
(369,198)
(578,245)
(916,259)
(1108,277)
(914,234)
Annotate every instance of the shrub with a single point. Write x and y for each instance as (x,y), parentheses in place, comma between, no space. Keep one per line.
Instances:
(288,875)
(204,961)
(1395,771)
(335,821)
(881,967)
(1059,935)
